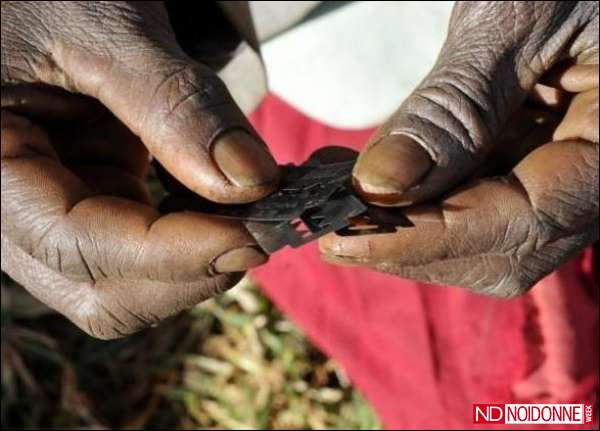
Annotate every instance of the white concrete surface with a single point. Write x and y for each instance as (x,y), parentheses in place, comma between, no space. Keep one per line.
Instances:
(352,67)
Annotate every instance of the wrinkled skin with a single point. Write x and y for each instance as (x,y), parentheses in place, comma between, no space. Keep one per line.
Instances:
(89,90)
(501,140)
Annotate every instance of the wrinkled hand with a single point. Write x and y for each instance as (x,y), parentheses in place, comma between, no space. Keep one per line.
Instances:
(508,166)
(88,89)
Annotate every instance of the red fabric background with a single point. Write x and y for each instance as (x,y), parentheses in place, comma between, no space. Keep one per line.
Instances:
(424,354)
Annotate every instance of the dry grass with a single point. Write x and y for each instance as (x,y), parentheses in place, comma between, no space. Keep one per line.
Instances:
(233,362)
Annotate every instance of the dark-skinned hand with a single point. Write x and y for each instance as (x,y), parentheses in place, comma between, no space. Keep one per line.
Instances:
(495,154)
(89,90)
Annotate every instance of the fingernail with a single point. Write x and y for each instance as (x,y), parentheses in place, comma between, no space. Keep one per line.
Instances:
(393,165)
(239,259)
(333,246)
(244,161)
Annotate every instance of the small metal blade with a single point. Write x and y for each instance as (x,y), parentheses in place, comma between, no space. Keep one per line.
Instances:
(313,200)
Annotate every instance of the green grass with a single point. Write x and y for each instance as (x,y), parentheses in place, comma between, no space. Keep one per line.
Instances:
(232,362)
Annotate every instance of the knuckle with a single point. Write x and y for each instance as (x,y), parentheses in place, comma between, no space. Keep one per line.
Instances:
(453,113)
(105,313)
(568,206)
(69,253)
(494,275)
(185,92)
(510,288)
(191,84)
(96,318)
(508,285)
(460,103)
(87,317)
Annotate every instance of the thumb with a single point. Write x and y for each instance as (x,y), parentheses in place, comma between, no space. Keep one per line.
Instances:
(180,109)
(494,54)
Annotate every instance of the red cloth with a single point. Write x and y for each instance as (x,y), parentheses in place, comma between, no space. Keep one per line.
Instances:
(424,354)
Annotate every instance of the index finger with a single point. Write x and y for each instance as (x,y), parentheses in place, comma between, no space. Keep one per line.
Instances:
(497,235)
(50,214)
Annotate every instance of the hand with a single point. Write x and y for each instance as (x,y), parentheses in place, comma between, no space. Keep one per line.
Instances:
(512,184)
(88,89)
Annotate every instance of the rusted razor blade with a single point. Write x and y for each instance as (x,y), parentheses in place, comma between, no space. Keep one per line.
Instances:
(313,199)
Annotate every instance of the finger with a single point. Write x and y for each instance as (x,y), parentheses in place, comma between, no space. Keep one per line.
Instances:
(106,312)
(45,205)
(581,119)
(52,216)
(549,97)
(182,197)
(573,78)
(496,236)
(444,130)
(459,242)
(529,128)
(49,103)
(181,110)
